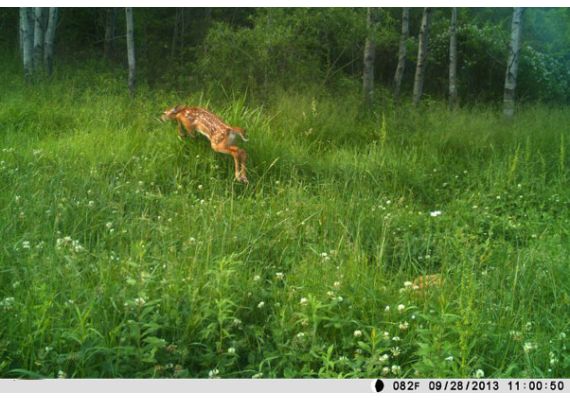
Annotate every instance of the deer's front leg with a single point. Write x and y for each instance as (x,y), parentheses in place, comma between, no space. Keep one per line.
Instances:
(189,128)
(180,131)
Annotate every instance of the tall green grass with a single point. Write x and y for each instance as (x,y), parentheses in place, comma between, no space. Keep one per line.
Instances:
(128,253)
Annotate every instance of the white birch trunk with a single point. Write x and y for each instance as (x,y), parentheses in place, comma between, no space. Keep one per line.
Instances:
(422,56)
(27,42)
(402,52)
(21,35)
(49,39)
(131,50)
(512,64)
(369,55)
(453,98)
(38,38)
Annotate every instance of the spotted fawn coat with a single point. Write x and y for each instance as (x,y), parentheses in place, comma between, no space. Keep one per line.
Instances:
(222,136)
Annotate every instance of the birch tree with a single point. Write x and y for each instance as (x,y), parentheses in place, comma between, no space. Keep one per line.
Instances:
(27,42)
(369,56)
(402,52)
(38,38)
(49,39)
(131,50)
(512,64)
(453,98)
(422,55)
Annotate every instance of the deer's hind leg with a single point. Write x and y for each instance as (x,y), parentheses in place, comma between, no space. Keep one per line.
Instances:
(239,156)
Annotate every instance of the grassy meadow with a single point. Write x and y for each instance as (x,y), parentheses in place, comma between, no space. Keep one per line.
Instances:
(128,253)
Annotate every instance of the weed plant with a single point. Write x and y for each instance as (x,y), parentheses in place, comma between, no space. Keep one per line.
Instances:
(128,253)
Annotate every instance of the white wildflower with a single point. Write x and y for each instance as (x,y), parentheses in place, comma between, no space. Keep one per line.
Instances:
(304,301)
(387,309)
(357,333)
(479,374)
(213,373)
(76,246)
(401,308)
(396,369)
(385,371)
(261,304)
(139,301)
(279,275)
(529,346)
(435,213)
(553,359)
(7,303)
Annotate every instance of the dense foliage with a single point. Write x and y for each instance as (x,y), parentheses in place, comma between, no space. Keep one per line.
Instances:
(259,49)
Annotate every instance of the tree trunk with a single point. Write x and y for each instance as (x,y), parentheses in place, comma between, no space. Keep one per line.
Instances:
(182,29)
(178,21)
(38,38)
(369,53)
(512,64)
(49,39)
(422,55)
(131,50)
(27,42)
(21,35)
(402,52)
(111,17)
(453,99)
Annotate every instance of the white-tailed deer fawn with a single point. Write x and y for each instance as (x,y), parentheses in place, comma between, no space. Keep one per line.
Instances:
(424,282)
(222,136)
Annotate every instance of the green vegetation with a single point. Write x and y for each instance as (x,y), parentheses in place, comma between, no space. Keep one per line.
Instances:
(128,253)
